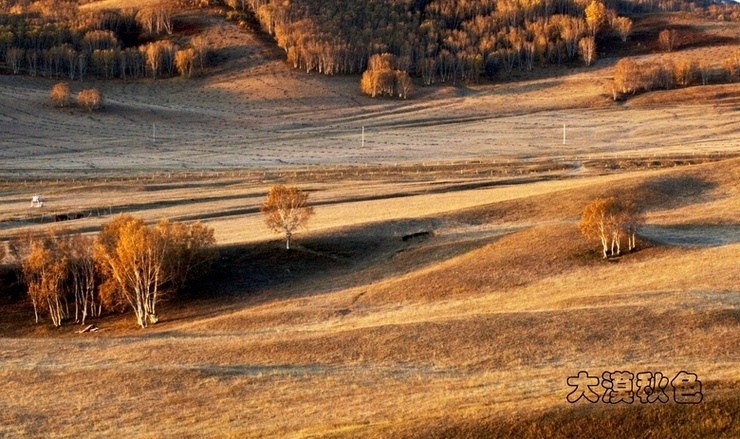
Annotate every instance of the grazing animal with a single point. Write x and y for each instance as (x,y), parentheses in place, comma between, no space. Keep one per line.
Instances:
(68,216)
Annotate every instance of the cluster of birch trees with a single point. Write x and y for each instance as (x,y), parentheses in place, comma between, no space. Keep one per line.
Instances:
(90,98)
(71,276)
(610,220)
(631,76)
(53,38)
(384,78)
(130,263)
(57,270)
(439,40)
(723,11)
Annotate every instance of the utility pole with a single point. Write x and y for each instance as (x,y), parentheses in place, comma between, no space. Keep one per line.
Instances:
(563,134)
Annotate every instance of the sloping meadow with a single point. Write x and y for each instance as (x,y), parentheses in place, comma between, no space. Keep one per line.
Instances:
(472,329)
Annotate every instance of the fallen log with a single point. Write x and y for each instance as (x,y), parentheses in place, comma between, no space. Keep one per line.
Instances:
(88,328)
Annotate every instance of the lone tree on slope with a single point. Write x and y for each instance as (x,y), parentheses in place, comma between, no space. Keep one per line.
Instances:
(286,210)
(91,99)
(60,94)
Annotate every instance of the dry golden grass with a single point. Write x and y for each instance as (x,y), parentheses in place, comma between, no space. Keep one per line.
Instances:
(470,331)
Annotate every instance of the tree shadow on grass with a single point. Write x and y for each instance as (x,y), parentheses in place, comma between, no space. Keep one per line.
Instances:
(245,270)
(256,273)
(693,235)
(710,418)
(670,192)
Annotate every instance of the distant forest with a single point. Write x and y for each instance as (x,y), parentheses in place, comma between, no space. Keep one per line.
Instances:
(450,40)
(54,38)
(434,40)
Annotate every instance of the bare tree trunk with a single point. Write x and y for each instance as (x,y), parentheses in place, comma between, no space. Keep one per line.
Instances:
(619,249)
(84,310)
(139,306)
(78,297)
(604,246)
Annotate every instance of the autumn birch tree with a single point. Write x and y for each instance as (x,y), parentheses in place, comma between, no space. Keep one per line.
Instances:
(44,269)
(184,60)
(286,210)
(623,27)
(83,275)
(60,94)
(595,221)
(190,250)
(90,98)
(587,49)
(667,39)
(595,14)
(142,263)
(134,257)
(608,219)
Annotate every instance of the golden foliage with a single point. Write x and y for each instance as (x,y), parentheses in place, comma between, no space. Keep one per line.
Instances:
(623,27)
(685,72)
(142,263)
(286,209)
(58,269)
(595,16)
(383,78)
(184,60)
(199,44)
(731,65)
(608,219)
(626,76)
(632,77)
(160,57)
(667,39)
(90,98)
(44,269)
(83,276)
(60,94)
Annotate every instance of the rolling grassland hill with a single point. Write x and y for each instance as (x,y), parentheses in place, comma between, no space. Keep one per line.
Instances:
(442,288)
(470,329)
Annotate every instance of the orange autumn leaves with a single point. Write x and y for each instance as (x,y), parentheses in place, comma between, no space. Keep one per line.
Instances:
(130,264)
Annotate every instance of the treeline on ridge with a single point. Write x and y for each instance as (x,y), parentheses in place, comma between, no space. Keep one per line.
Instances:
(55,38)
(435,41)
(441,40)
(438,40)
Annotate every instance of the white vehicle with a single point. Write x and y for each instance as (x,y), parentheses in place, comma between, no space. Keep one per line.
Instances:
(36,201)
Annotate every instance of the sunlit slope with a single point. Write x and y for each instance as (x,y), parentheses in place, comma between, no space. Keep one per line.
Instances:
(471,329)
(515,315)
